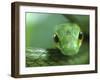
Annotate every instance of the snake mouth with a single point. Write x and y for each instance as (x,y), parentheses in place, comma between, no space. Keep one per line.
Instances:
(69,51)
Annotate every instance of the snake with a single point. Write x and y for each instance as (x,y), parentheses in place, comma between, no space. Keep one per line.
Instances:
(68,39)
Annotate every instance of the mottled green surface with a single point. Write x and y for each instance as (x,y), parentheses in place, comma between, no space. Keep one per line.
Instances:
(41,49)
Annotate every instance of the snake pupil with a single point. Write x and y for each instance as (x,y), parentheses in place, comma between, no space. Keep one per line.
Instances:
(80,35)
(56,39)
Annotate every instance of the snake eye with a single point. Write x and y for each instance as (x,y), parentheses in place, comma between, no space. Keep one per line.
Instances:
(56,39)
(80,35)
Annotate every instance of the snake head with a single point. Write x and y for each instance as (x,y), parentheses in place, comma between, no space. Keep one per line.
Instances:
(68,38)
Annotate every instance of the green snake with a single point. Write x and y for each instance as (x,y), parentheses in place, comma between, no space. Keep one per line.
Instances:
(68,38)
